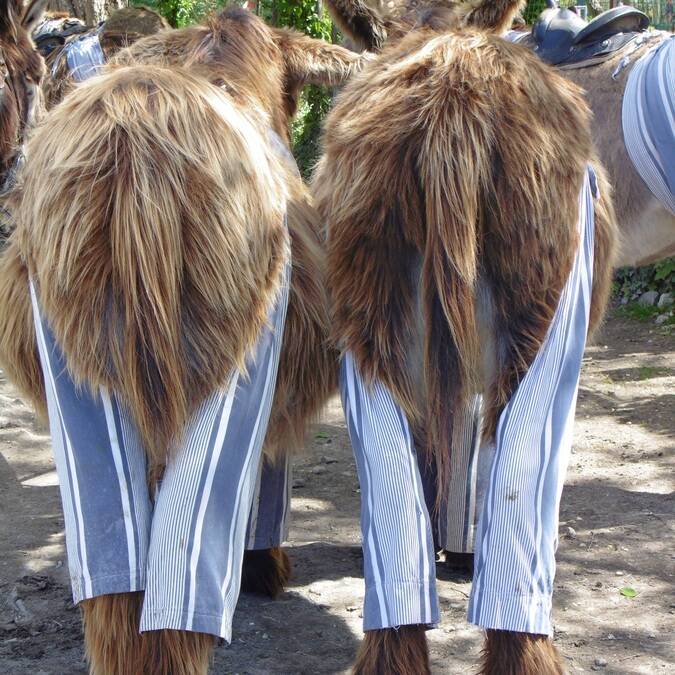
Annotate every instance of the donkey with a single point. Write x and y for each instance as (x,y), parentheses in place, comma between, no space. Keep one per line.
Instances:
(84,52)
(165,272)
(470,245)
(602,57)
(21,71)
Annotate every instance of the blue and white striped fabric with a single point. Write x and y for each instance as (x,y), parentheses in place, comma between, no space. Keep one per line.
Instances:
(269,520)
(186,549)
(398,548)
(648,119)
(516,536)
(84,56)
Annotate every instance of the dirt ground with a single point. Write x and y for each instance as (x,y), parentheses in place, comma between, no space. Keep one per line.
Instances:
(617,522)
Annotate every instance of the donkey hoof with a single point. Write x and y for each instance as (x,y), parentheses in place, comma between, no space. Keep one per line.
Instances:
(391,651)
(509,653)
(266,571)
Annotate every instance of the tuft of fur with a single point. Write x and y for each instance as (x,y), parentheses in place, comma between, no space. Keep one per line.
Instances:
(266,572)
(174,652)
(511,653)
(471,203)
(114,645)
(156,298)
(112,640)
(359,21)
(394,651)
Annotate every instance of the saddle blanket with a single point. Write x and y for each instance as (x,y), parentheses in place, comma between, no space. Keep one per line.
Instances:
(648,119)
(84,56)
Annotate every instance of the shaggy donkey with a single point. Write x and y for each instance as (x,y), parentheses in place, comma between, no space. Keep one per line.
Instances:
(467,257)
(21,70)
(143,295)
(85,52)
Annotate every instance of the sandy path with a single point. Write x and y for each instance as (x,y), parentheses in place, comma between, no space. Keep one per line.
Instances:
(619,502)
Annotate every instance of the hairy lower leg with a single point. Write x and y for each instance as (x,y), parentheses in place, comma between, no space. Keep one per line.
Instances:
(111,638)
(265,572)
(511,653)
(177,652)
(394,651)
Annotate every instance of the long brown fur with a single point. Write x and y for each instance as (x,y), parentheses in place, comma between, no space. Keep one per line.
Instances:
(115,646)
(393,651)
(510,653)
(21,71)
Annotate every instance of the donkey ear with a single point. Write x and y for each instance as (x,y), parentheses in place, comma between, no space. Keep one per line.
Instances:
(311,61)
(33,14)
(360,22)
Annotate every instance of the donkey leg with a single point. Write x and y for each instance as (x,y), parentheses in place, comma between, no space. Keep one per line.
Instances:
(111,638)
(398,550)
(106,507)
(510,653)
(517,535)
(267,567)
(201,512)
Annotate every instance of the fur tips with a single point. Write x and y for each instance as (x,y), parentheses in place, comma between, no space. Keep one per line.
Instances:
(510,653)
(358,20)
(113,644)
(154,257)
(389,651)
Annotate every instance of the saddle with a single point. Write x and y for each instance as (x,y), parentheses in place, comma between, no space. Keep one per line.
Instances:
(53,33)
(563,38)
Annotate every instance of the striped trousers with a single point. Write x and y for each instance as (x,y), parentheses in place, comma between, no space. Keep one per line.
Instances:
(185,547)
(516,537)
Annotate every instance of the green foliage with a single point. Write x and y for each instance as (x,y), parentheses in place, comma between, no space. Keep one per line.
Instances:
(631,282)
(532,10)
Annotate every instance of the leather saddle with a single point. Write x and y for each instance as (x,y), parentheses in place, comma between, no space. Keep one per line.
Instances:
(561,37)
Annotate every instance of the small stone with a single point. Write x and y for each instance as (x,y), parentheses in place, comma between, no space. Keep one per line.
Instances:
(598,584)
(600,662)
(666,300)
(652,636)
(265,636)
(298,483)
(318,470)
(648,299)
(352,608)
(661,319)
(329,460)
(611,636)
(618,573)
(571,533)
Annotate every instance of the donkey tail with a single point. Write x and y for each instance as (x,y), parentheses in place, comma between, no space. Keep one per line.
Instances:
(158,242)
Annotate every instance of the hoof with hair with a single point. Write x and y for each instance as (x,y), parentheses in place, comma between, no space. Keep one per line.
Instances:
(391,651)
(266,572)
(510,653)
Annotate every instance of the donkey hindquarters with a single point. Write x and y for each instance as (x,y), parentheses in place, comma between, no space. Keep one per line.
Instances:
(145,291)
(461,233)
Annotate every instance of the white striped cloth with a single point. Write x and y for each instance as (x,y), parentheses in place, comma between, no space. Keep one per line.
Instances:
(186,549)
(648,119)
(398,548)
(84,55)
(516,536)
